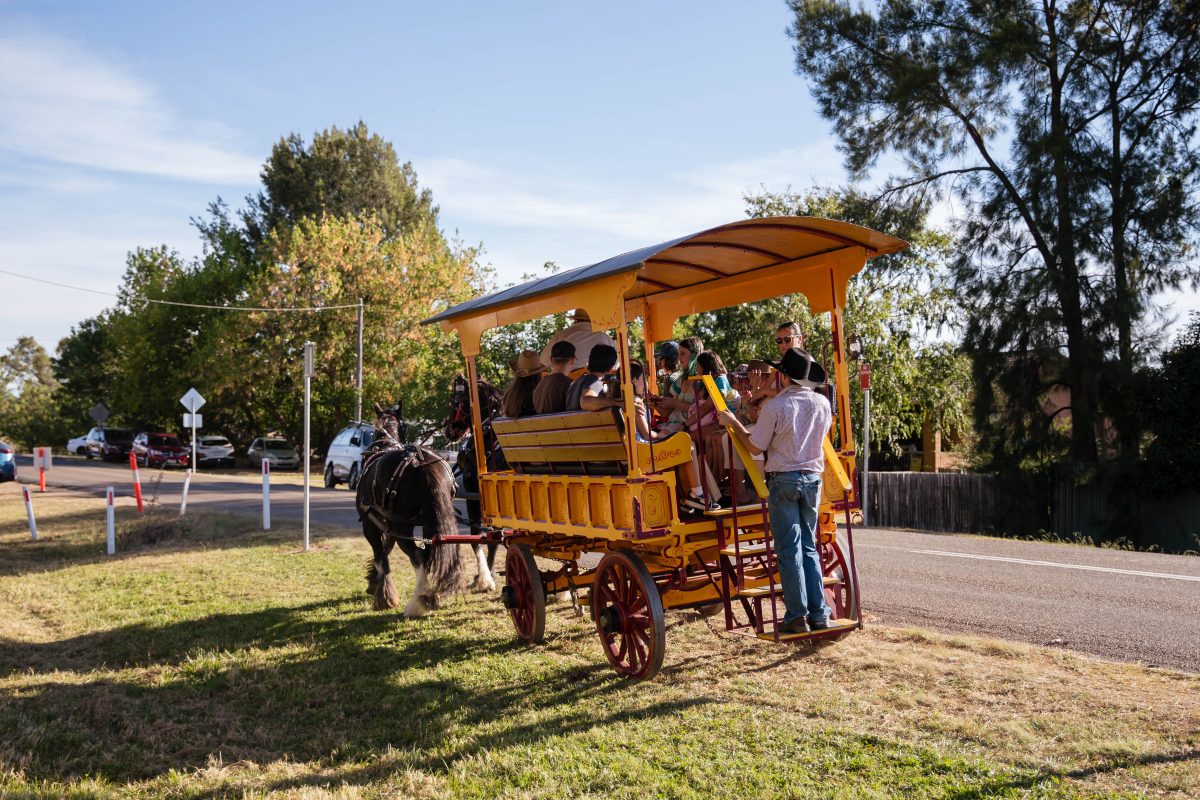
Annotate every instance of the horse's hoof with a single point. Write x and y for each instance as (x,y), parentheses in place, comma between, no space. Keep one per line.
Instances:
(483,586)
(431,602)
(415,610)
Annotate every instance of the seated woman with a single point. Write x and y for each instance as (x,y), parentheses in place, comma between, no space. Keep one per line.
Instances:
(688,471)
(518,397)
(701,417)
(760,388)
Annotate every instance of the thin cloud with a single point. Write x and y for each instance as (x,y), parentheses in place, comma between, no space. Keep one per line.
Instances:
(63,104)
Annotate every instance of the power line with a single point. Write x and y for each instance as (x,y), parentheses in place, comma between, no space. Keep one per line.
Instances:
(174,303)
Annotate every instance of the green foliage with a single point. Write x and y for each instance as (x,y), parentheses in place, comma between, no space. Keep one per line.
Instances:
(1170,392)
(343,173)
(1066,132)
(29,417)
(893,306)
(336,221)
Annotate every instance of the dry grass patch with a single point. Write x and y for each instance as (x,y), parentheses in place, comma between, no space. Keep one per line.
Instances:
(216,661)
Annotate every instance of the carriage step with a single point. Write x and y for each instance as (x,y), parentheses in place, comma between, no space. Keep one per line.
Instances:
(764,591)
(749,510)
(745,550)
(835,626)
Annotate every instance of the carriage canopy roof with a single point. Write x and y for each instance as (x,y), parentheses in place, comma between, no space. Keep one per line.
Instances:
(743,261)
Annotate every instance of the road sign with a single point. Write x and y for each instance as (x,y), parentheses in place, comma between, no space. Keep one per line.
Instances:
(192,401)
(198,418)
(98,413)
(864,376)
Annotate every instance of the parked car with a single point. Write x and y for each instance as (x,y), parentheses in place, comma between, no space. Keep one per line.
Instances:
(343,462)
(77,446)
(8,462)
(277,452)
(160,450)
(109,444)
(214,451)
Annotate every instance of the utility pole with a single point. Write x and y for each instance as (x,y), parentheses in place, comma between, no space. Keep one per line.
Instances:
(308,373)
(358,375)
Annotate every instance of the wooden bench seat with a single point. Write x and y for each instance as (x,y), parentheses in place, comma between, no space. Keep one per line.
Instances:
(581,443)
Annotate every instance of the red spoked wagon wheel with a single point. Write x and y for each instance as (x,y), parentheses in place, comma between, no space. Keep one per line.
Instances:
(523,593)
(629,615)
(840,596)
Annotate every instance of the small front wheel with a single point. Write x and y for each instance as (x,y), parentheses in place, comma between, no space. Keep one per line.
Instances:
(523,593)
(330,481)
(352,481)
(628,611)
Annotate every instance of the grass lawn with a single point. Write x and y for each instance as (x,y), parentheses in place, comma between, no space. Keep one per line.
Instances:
(210,660)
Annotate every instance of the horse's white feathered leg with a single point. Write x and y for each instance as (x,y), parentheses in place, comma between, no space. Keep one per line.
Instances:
(416,607)
(484,581)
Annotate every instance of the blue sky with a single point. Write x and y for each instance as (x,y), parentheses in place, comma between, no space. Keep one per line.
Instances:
(548,131)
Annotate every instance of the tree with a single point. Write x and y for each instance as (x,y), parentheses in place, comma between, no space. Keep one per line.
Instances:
(1091,210)
(1170,390)
(328,261)
(344,173)
(84,370)
(893,307)
(28,414)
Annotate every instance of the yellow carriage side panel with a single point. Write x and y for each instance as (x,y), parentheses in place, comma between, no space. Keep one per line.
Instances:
(577,500)
(599,506)
(835,482)
(560,511)
(521,504)
(504,498)
(621,506)
(668,453)
(658,503)
(539,500)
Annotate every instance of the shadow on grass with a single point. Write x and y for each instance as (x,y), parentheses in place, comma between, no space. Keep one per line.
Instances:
(1006,786)
(319,681)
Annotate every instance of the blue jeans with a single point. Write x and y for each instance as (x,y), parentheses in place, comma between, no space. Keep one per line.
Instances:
(793,511)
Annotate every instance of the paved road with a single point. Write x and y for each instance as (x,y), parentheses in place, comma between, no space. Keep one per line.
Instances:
(1130,606)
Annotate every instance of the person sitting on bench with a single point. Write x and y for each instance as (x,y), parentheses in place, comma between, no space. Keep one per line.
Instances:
(550,397)
(589,392)
(518,397)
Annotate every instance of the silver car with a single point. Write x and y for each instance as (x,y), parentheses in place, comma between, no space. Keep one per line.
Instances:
(343,462)
(276,452)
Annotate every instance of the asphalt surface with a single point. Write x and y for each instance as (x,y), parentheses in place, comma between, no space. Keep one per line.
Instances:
(1142,607)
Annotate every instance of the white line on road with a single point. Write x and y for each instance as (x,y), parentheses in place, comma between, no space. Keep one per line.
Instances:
(1030,562)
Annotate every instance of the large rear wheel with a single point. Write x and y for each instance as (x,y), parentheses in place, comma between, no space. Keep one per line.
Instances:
(523,593)
(629,615)
(839,594)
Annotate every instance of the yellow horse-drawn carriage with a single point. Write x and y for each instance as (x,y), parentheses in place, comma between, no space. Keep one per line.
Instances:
(581,483)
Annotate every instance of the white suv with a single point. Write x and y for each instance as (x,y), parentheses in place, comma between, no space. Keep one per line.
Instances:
(214,451)
(343,462)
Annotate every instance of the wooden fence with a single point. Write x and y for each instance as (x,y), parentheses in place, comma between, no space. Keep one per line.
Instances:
(927,501)
(969,503)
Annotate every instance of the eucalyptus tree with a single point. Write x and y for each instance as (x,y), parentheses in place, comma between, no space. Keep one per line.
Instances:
(1065,133)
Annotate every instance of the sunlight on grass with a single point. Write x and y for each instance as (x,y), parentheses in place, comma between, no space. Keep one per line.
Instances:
(218,661)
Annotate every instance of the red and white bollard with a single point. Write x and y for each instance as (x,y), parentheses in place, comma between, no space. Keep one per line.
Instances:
(266,495)
(29,512)
(137,481)
(41,462)
(112,523)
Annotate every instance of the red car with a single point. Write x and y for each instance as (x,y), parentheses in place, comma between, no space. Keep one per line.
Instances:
(160,450)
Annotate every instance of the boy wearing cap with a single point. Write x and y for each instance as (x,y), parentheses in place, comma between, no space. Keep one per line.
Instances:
(790,429)
(550,396)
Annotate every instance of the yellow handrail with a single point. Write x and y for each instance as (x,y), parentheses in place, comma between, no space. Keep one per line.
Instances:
(752,466)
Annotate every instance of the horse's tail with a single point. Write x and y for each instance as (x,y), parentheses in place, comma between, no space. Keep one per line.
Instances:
(445,562)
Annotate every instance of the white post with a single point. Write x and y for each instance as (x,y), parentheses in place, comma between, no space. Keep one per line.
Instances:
(308,373)
(266,494)
(193,464)
(358,372)
(866,459)
(187,482)
(29,512)
(112,523)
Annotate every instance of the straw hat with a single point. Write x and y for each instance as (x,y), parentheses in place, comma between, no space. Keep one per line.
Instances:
(529,363)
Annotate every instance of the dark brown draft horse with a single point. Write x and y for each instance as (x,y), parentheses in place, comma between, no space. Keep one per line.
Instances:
(404,487)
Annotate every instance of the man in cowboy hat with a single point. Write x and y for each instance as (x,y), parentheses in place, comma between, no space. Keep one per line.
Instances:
(790,429)
(580,334)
